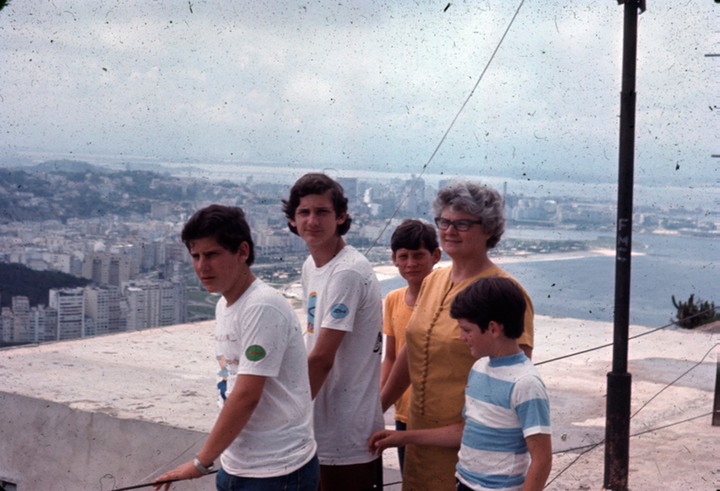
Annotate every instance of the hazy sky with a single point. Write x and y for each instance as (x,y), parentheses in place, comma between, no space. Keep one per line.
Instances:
(363,84)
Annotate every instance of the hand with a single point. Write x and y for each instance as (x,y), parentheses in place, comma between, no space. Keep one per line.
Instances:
(180,473)
(384,439)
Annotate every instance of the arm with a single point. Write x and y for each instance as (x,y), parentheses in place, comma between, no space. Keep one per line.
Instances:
(444,436)
(322,358)
(235,414)
(398,380)
(540,448)
(388,361)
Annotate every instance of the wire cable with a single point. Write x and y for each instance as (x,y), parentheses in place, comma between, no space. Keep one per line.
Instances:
(596,348)
(674,381)
(155,483)
(588,448)
(449,128)
(593,446)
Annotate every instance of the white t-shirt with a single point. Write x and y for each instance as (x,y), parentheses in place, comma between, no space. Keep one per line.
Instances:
(345,295)
(260,334)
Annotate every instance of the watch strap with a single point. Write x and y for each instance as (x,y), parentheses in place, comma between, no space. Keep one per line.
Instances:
(200,467)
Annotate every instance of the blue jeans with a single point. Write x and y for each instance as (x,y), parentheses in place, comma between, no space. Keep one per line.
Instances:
(306,478)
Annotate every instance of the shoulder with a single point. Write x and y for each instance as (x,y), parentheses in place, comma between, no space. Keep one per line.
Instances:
(434,281)
(395,295)
(351,264)
(260,294)
(529,384)
(504,274)
(350,255)
(438,275)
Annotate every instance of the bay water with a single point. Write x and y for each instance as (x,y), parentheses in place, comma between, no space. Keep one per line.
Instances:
(584,287)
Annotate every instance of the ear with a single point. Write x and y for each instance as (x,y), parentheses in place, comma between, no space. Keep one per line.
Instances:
(341,218)
(436,255)
(496,329)
(243,252)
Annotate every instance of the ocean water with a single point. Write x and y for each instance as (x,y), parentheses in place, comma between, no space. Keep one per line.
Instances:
(584,288)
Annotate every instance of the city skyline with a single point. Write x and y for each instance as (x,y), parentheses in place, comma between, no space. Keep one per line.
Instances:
(373,86)
(118,227)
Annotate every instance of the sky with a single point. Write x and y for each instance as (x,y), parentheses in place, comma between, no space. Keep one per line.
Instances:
(364,85)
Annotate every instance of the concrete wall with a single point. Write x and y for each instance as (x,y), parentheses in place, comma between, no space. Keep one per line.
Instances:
(50,446)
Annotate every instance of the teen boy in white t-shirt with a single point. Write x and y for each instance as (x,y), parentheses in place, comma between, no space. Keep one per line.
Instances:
(344,339)
(263,434)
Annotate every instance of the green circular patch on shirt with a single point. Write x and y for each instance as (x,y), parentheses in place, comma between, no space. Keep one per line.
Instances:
(255,352)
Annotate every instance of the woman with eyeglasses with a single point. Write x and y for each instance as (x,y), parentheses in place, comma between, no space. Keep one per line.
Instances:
(434,361)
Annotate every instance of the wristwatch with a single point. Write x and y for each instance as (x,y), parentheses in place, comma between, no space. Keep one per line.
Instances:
(200,467)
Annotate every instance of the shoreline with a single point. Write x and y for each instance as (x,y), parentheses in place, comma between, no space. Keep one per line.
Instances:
(388,271)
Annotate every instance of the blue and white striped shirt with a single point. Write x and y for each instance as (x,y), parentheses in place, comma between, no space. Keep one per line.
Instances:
(505,402)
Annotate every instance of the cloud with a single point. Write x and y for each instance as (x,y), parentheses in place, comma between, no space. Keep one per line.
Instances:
(370,84)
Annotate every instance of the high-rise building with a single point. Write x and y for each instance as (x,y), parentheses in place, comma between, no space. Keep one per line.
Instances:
(70,306)
(153,303)
(415,204)
(350,186)
(21,320)
(6,326)
(108,268)
(38,323)
(103,306)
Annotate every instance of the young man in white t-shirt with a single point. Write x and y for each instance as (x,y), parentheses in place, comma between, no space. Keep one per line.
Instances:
(344,335)
(263,434)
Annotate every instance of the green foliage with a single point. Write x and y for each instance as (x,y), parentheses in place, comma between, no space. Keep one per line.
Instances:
(18,279)
(692,314)
(59,190)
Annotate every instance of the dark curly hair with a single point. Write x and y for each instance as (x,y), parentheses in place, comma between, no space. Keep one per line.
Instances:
(317,183)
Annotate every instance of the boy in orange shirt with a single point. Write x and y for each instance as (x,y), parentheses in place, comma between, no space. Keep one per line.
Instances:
(415,252)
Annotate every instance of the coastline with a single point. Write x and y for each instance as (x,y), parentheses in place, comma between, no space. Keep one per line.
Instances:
(387,271)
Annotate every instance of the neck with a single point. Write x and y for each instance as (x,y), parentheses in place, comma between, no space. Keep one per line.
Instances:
(241,287)
(325,253)
(411,293)
(463,269)
(506,349)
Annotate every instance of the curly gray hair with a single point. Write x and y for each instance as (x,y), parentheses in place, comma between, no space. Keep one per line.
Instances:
(477,199)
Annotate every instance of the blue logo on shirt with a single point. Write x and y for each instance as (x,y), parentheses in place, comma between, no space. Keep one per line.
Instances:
(311,304)
(339,311)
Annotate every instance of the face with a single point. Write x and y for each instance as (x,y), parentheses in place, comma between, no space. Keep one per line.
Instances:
(415,264)
(477,341)
(315,219)
(458,244)
(219,270)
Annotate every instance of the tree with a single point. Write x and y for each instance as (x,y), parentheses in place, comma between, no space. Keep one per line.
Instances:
(691,314)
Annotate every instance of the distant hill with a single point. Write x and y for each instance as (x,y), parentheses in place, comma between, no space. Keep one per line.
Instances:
(68,166)
(63,189)
(18,279)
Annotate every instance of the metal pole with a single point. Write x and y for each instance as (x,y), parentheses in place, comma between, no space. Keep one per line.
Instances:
(716,404)
(617,426)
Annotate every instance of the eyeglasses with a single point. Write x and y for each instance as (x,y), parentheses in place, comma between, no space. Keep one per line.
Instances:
(460,225)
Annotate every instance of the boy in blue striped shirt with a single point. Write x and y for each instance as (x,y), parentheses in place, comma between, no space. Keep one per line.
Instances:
(505,442)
